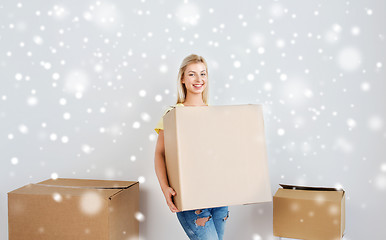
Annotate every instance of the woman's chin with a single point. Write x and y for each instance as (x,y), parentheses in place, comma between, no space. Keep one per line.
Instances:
(196,91)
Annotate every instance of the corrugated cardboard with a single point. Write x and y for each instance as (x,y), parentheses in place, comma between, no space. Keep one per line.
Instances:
(309,213)
(216,155)
(68,209)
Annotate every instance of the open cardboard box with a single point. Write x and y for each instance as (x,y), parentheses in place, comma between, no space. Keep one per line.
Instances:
(309,212)
(69,209)
(216,155)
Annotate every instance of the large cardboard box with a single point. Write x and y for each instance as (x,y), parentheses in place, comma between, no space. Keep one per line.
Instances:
(309,212)
(216,155)
(68,209)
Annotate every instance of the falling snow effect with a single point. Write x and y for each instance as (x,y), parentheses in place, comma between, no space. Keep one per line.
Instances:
(91,203)
(57,197)
(83,86)
(139,216)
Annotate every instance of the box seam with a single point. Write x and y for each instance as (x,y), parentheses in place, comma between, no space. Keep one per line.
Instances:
(178,161)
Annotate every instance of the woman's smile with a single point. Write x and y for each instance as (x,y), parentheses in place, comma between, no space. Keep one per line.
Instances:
(198,86)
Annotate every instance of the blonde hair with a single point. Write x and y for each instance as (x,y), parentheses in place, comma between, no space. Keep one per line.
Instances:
(181,88)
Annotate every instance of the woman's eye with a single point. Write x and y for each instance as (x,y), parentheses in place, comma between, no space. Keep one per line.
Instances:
(191,74)
(203,74)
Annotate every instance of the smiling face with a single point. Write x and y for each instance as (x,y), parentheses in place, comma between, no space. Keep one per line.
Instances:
(195,78)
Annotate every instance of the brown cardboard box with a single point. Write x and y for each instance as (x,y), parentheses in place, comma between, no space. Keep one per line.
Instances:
(216,156)
(69,209)
(309,213)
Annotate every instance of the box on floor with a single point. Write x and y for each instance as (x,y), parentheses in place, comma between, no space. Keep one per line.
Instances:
(68,209)
(309,212)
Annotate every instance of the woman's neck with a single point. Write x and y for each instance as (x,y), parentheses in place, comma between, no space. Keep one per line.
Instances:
(194,104)
(194,100)
(187,104)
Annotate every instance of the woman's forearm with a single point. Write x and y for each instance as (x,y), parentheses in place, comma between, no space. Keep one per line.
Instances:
(160,170)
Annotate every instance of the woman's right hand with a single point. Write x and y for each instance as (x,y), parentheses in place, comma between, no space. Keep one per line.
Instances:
(168,193)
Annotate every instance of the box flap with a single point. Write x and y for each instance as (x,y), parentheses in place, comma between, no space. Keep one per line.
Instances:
(55,191)
(75,187)
(295,187)
(318,194)
(88,183)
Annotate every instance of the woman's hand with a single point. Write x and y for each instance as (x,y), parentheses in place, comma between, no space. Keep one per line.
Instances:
(168,193)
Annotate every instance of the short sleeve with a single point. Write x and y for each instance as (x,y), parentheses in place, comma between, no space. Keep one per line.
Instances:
(160,124)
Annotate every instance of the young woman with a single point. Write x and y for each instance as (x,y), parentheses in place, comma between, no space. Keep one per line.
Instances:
(192,86)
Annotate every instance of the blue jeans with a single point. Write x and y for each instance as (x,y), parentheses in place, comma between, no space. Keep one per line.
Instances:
(204,224)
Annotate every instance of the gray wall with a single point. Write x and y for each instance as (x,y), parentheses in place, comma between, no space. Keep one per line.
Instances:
(83,84)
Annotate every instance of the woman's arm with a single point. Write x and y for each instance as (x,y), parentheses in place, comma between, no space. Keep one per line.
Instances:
(160,170)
